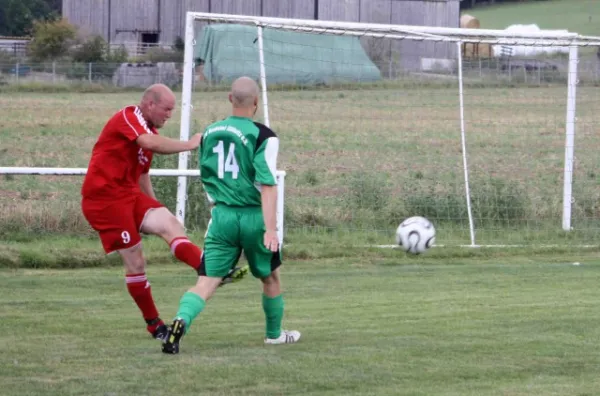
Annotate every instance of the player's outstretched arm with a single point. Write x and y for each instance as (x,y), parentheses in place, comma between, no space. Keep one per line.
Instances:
(269,208)
(164,145)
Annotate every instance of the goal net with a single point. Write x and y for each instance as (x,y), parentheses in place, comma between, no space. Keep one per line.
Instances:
(489,134)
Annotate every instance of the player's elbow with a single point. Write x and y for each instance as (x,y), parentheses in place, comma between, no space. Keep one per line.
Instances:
(268,193)
(266,189)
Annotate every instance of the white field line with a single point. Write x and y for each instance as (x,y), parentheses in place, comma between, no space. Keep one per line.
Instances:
(491,246)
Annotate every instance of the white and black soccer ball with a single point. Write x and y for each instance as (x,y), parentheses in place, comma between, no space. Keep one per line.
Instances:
(415,235)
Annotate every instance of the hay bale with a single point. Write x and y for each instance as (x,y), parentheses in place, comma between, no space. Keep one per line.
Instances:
(469,22)
(474,50)
(477,50)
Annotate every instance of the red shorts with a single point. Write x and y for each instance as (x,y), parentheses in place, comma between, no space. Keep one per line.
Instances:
(118,222)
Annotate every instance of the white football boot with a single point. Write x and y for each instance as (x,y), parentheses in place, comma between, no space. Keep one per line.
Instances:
(286,337)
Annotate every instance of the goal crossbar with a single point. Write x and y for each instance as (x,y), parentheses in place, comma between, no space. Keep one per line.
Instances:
(581,41)
(430,33)
(444,39)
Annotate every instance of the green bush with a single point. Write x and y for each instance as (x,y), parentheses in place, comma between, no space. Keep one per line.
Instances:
(51,40)
(493,202)
(447,206)
(7,62)
(499,202)
(91,50)
(117,55)
(369,204)
(77,71)
(165,188)
(366,191)
(104,62)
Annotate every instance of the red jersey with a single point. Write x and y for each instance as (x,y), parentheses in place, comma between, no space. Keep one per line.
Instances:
(117,161)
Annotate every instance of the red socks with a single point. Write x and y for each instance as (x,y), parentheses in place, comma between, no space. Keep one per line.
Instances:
(139,289)
(186,251)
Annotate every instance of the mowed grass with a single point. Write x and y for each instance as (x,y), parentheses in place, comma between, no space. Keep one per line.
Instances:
(579,16)
(373,327)
(357,160)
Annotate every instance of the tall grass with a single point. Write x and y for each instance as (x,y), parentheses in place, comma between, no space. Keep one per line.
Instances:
(357,161)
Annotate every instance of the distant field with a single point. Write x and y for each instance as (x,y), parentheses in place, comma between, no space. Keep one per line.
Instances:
(580,16)
(356,159)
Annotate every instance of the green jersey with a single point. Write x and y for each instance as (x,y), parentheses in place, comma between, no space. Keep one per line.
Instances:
(237,157)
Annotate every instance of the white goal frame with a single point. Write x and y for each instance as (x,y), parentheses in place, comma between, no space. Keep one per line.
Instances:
(419,33)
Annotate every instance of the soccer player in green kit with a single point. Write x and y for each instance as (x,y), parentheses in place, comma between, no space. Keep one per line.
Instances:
(238,162)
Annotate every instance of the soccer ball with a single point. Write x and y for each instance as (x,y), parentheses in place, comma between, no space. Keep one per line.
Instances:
(415,234)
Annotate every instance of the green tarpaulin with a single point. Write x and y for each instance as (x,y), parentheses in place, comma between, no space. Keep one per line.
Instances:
(229,51)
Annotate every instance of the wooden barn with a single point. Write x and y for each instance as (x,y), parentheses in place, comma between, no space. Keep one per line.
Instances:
(162,21)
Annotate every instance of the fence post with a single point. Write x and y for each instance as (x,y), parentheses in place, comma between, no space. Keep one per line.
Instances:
(54,72)
(90,72)
(17,71)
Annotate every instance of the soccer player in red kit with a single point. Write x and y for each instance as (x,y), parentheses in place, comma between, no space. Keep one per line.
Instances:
(118,200)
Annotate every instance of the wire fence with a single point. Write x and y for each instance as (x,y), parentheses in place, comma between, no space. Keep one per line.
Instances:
(130,74)
(117,74)
(18,47)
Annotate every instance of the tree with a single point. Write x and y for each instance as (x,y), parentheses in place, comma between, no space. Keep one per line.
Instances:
(55,5)
(94,49)
(51,40)
(17,16)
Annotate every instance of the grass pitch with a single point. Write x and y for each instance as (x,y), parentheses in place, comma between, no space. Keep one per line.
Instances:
(580,16)
(384,326)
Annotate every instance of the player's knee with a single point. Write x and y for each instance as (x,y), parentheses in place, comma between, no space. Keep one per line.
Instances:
(272,278)
(133,260)
(206,287)
(173,225)
(136,266)
(163,223)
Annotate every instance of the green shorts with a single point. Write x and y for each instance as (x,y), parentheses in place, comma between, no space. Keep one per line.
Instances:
(231,230)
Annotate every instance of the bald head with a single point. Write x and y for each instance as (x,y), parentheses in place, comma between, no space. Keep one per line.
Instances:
(157,93)
(157,104)
(244,93)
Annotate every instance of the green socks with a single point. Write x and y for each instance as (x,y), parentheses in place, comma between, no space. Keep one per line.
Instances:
(273,307)
(190,306)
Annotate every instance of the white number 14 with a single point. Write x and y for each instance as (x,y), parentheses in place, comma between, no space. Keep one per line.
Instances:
(228,164)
